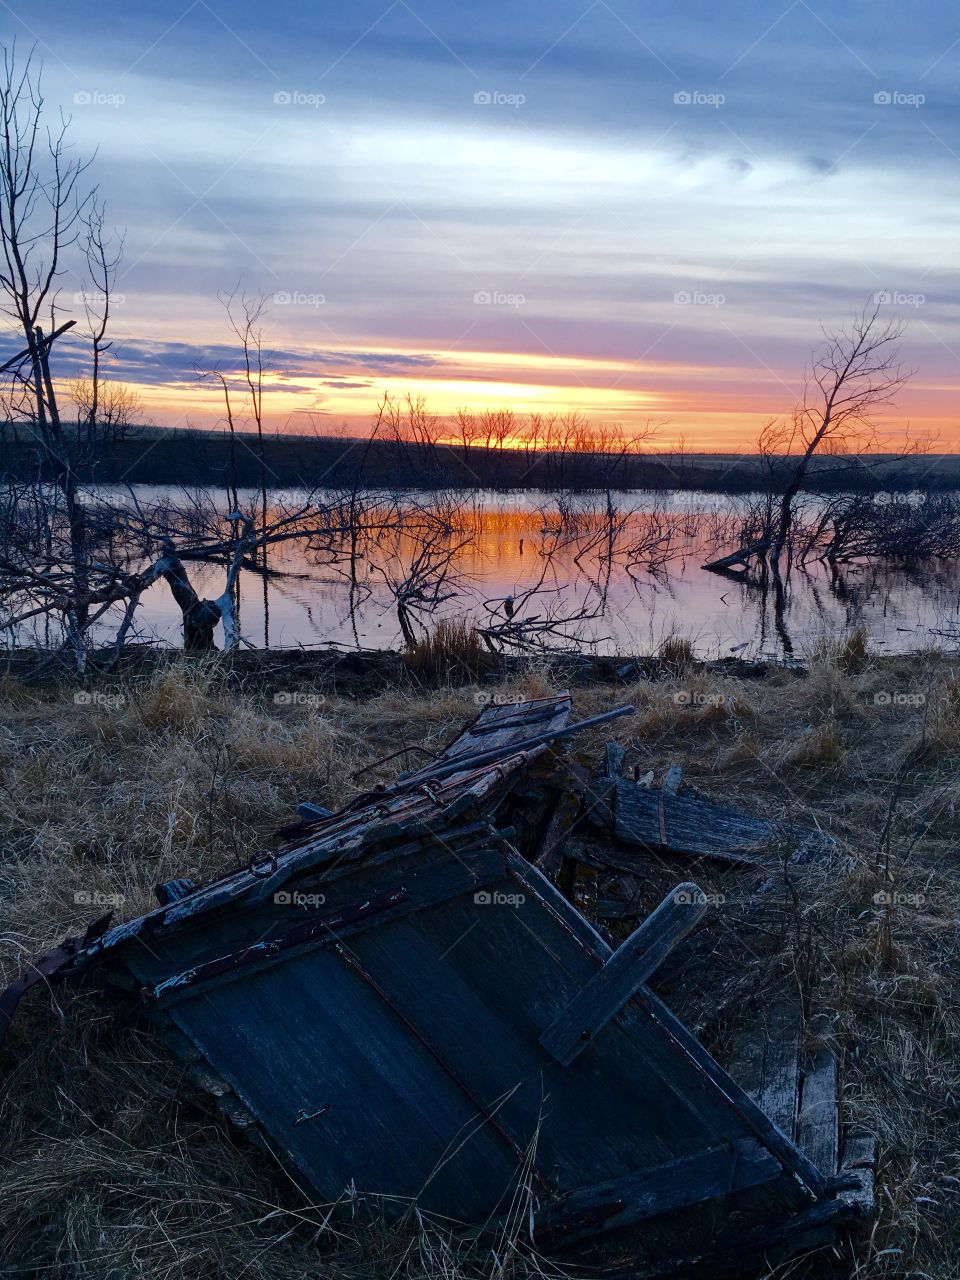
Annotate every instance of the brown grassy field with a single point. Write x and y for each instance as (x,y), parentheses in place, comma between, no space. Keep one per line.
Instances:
(113,1167)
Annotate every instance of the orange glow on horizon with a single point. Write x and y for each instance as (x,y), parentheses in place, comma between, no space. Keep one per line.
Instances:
(701,408)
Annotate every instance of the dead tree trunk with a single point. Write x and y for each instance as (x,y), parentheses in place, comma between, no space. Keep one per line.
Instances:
(200,617)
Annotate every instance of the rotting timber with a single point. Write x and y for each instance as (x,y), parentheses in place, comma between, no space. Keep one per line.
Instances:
(401,999)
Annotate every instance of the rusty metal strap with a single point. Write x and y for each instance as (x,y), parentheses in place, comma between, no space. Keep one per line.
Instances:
(321,928)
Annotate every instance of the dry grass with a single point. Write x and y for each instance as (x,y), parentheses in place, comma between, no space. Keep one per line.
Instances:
(451,651)
(113,1167)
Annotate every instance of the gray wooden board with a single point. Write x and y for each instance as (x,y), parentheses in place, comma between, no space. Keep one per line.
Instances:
(634,961)
(818,1124)
(160,955)
(309,1035)
(766,1062)
(685,1044)
(706,1175)
(348,835)
(518,721)
(691,824)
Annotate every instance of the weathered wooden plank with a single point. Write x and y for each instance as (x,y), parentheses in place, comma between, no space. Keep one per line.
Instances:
(689,824)
(770,1133)
(678,1184)
(818,1124)
(550,854)
(766,1062)
(601,788)
(291,932)
(312,1039)
(438,975)
(630,965)
(672,780)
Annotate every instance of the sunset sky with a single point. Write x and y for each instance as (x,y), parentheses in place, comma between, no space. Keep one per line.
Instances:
(644,211)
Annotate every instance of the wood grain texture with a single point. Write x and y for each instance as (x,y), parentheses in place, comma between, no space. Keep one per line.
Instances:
(628,967)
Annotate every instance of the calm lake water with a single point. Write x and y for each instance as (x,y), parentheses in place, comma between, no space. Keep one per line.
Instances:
(516,541)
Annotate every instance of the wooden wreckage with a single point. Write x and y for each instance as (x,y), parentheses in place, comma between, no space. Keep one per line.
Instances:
(395,1002)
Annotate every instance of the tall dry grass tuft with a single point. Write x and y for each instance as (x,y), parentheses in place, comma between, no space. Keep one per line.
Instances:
(451,651)
(676,653)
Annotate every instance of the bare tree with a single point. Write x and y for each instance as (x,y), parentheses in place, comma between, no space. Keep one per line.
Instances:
(42,214)
(855,371)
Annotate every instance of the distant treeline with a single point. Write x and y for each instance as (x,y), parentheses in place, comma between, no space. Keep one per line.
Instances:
(201,458)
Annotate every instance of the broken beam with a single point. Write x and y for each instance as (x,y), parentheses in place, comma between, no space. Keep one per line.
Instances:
(624,973)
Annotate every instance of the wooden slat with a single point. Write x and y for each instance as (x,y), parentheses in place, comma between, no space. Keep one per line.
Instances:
(631,964)
(678,1184)
(601,788)
(818,1124)
(550,855)
(690,825)
(431,881)
(672,780)
(766,1062)
(310,1038)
